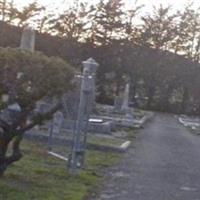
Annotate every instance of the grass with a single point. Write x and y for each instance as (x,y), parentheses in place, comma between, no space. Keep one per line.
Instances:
(132,134)
(94,139)
(39,176)
(106,141)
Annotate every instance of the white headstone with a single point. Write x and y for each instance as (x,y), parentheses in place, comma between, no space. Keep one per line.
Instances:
(125,106)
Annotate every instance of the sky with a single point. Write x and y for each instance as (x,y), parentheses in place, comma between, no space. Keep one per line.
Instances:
(60,4)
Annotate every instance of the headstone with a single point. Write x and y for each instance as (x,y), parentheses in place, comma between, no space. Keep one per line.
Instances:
(125,103)
(55,127)
(57,122)
(70,104)
(118,103)
(28,39)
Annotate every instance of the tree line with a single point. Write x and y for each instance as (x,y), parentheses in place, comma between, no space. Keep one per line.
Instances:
(158,52)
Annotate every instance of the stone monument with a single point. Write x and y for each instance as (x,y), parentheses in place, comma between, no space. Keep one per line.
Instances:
(92,66)
(125,103)
(28,39)
(84,109)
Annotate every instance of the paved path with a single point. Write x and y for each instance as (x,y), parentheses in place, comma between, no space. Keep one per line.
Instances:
(163,164)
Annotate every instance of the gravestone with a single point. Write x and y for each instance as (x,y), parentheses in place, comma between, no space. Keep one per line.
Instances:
(118,103)
(57,122)
(28,39)
(70,104)
(55,127)
(121,102)
(125,102)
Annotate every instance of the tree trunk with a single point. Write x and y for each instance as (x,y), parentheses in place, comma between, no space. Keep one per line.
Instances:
(16,154)
(3,149)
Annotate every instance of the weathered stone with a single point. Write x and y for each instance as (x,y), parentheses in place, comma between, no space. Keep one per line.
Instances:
(125,103)
(91,65)
(104,127)
(57,122)
(118,103)
(28,39)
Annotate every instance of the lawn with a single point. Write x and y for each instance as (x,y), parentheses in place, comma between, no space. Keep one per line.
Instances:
(39,176)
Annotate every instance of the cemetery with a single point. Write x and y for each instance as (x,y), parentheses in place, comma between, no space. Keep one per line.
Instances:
(48,178)
(98,100)
(82,135)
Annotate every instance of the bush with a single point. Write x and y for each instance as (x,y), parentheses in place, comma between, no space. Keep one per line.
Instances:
(25,79)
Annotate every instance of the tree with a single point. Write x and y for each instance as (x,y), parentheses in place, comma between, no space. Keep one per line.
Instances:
(43,23)
(158,28)
(155,35)
(27,13)
(25,79)
(132,31)
(106,22)
(71,24)
(8,11)
(3,9)
(187,38)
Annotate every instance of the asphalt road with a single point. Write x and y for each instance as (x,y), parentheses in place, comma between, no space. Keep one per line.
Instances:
(162,164)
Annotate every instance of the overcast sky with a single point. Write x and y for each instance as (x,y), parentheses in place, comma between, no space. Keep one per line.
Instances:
(177,4)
